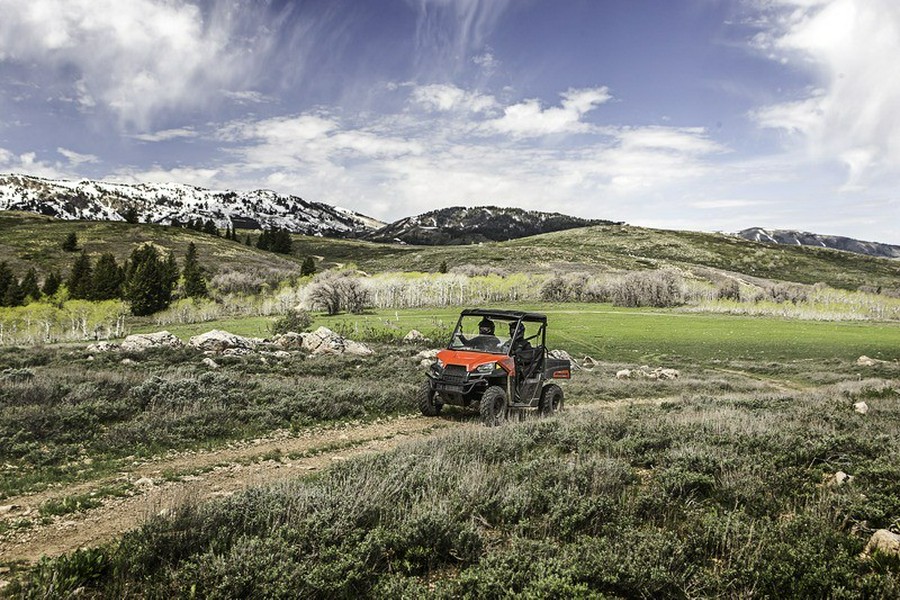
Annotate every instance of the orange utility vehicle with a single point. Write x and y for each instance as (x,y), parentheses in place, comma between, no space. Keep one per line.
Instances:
(496,361)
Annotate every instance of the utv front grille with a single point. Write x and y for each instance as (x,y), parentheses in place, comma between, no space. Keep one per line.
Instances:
(454,375)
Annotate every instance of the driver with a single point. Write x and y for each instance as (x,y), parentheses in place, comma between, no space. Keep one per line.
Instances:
(485,340)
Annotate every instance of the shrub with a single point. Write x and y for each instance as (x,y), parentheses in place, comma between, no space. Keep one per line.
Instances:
(295,320)
(648,288)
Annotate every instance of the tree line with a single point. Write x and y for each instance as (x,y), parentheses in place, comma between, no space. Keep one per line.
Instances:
(146,280)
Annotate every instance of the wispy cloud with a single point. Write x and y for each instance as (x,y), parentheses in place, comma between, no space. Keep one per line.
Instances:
(531,119)
(76,158)
(850,49)
(134,58)
(167,134)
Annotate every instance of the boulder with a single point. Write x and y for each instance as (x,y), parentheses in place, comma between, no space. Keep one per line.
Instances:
(139,342)
(623,374)
(646,372)
(884,541)
(865,361)
(210,363)
(415,337)
(220,341)
(861,407)
(840,478)
(289,341)
(589,362)
(325,341)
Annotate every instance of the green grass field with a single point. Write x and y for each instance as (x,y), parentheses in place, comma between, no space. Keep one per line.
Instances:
(634,335)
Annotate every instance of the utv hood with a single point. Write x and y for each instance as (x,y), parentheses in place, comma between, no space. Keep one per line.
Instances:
(472,360)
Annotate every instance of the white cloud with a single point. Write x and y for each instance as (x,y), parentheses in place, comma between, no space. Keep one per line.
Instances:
(530,119)
(446,97)
(75,158)
(167,134)
(136,58)
(850,47)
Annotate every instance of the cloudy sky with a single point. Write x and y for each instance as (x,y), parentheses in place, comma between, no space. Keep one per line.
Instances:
(686,114)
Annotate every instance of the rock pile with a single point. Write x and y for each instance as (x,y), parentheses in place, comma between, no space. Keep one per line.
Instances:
(222,342)
(646,372)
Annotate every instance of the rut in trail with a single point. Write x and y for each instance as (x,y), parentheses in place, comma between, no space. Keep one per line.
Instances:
(218,473)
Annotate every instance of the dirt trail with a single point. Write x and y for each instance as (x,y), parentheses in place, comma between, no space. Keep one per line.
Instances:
(161,484)
(164,483)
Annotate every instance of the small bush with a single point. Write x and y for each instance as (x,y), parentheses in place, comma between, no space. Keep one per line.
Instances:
(296,320)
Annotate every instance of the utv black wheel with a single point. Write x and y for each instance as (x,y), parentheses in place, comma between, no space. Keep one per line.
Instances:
(551,400)
(427,401)
(493,406)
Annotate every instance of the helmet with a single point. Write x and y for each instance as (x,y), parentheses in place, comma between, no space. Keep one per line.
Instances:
(515,328)
(486,327)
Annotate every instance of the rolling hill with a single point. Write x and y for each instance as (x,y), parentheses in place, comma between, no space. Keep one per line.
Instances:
(835,242)
(27,239)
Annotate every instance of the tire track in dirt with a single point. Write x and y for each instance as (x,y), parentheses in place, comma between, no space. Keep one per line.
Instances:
(201,475)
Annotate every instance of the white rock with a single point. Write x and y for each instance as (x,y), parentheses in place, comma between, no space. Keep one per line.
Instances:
(102,347)
(861,407)
(865,361)
(623,374)
(325,341)
(415,337)
(840,478)
(210,363)
(219,341)
(144,482)
(884,541)
(127,361)
(289,341)
(668,373)
(427,355)
(139,342)
(8,508)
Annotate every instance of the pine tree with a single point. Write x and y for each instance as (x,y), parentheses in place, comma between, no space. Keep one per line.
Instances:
(6,278)
(131,215)
(51,283)
(149,280)
(194,280)
(70,243)
(210,228)
(13,296)
(248,241)
(443,267)
(264,240)
(280,241)
(81,282)
(108,278)
(308,267)
(29,285)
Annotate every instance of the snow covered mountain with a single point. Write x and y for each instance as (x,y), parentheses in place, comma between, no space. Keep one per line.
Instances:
(460,225)
(172,202)
(802,238)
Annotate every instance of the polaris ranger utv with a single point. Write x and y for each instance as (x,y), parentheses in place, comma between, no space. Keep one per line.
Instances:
(496,361)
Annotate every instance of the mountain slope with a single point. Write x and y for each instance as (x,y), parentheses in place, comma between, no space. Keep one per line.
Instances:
(461,225)
(835,242)
(167,203)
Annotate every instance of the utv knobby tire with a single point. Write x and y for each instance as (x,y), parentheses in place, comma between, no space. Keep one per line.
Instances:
(493,406)
(426,400)
(551,400)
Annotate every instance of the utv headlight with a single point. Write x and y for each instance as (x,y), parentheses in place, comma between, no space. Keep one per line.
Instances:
(486,368)
(439,363)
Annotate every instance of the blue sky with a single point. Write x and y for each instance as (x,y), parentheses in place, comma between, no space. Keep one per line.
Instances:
(686,114)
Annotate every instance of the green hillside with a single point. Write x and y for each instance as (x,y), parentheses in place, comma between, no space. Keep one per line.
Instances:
(624,247)
(33,239)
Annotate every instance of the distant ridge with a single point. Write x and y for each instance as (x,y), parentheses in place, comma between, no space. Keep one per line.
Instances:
(460,225)
(835,242)
(172,202)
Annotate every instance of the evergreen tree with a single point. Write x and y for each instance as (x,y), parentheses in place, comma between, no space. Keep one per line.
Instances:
(81,281)
(131,215)
(51,283)
(6,277)
(443,267)
(264,240)
(149,280)
(29,285)
(248,241)
(70,243)
(13,296)
(308,267)
(210,228)
(108,278)
(194,280)
(280,241)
